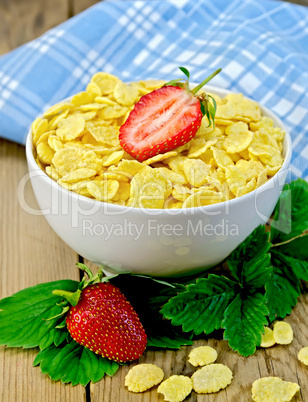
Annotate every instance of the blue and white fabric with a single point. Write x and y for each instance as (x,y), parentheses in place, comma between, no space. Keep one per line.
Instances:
(261,45)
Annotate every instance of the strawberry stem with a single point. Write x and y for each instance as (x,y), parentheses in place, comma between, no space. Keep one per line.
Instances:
(71,297)
(198,87)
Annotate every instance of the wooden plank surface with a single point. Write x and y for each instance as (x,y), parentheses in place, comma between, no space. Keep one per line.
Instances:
(32,253)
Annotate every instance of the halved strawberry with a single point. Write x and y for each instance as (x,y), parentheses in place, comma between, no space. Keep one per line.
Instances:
(166,118)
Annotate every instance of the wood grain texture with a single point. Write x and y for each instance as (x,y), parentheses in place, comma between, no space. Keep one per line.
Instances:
(278,361)
(77,6)
(24,20)
(31,253)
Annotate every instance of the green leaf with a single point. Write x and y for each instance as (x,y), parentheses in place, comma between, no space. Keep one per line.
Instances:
(185,71)
(174,342)
(282,290)
(291,212)
(24,316)
(249,263)
(74,364)
(297,248)
(244,322)
(201,307)
(298,266)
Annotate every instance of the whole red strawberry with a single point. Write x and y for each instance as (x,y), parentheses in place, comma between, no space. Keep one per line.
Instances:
(105,322)
(166,118)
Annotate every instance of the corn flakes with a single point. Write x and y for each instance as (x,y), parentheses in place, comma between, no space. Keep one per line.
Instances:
(143,377)
(176,388)
(283,333)
(211,378)
(78,141)
(303,355)
(202,356)
(273,389)
(268,339)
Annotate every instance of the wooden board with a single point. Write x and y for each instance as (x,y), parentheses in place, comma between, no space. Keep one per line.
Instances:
(32,253)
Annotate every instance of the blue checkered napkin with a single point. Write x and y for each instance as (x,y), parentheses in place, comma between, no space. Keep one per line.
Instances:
(261,45)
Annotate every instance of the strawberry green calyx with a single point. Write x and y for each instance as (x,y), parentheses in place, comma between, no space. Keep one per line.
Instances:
(87,280)
(207,102)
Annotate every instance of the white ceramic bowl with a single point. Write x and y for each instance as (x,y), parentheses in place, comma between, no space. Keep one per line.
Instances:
(155,242)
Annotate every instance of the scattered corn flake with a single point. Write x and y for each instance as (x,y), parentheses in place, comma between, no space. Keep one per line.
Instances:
(283,333)
(70,127)
(273,389)
(211,378)
(202,355)
(143,377)
(303,355)
(175,388)
(267,338)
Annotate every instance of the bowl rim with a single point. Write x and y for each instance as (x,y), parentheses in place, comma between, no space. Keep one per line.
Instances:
(287,149)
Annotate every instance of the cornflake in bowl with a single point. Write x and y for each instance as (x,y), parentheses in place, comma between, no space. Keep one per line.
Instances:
(172,214)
